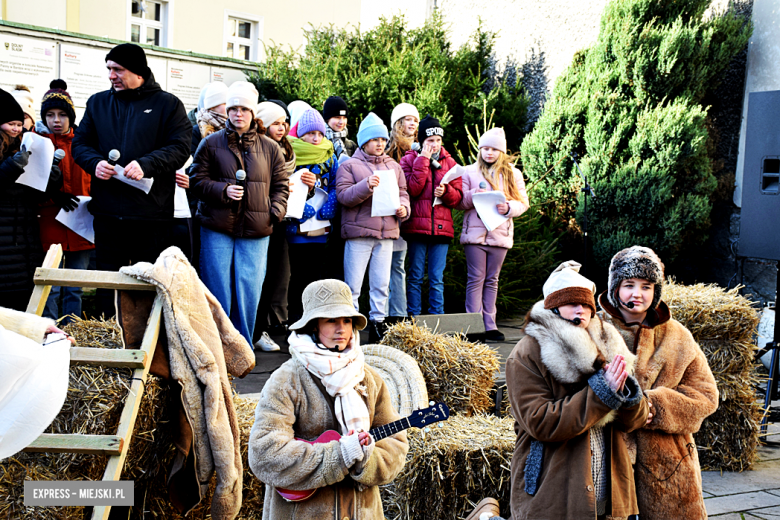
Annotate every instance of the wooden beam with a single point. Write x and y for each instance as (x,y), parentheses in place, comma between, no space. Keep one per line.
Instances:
(84,278)
(107,357)
(41,292)
(77,443)
(130,411)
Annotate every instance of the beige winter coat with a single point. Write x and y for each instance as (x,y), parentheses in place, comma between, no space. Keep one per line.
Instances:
(292,405)
(203,345)
(674,374)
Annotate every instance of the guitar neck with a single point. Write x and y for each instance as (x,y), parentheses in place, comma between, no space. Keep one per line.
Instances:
(386,430)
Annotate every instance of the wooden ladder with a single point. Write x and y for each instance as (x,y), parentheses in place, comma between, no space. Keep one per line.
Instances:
(115,446)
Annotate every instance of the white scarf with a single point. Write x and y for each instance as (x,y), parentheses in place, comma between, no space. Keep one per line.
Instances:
(341,374)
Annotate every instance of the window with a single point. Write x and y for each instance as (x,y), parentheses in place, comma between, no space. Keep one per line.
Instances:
(242,33)
(148,22)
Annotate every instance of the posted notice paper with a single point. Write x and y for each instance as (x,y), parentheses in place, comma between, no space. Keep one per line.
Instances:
(454,173)
(485,204)
(387,197)
(79,220)
(36,173)
(317,201)
(297,199)
(145,184)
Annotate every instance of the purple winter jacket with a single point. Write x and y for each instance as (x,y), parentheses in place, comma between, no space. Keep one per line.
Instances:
(474,230)
(354,195)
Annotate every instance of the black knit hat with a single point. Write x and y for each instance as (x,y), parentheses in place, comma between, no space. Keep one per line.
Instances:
(334,107)
(429,127)
(10,109)
(635,262)
(283,105)
(58,97)
(132,57)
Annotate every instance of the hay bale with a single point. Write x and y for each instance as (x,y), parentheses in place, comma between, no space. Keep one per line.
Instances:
(724,324)
(451,468)
(456,371)
(401,375)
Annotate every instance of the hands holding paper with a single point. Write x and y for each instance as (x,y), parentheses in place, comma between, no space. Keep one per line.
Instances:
(308,178)
(400,212)
(373,181)
(105,171)
(503,208)
(133,171)
(21,158)
(439,191)
(182,180)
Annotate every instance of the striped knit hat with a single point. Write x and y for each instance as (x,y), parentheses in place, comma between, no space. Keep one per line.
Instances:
(57,97)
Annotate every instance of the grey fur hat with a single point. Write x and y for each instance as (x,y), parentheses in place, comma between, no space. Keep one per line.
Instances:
(328,299)
(635,262)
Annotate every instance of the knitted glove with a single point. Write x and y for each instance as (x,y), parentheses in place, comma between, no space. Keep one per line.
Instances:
(21,158)
(351,450)
(65,201)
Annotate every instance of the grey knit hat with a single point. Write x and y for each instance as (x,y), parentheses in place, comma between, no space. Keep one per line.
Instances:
(635,262)
(328,299)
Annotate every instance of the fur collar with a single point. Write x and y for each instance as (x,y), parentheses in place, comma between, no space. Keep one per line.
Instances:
(570,353)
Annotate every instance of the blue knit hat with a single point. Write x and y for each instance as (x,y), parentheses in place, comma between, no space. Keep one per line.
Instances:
(371,127)
(310,121)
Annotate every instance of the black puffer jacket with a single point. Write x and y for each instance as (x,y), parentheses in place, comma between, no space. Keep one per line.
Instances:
(147,125)
(20,245)
(220,155)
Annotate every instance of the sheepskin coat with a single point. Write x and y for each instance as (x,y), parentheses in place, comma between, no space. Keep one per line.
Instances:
(293,406)
(558,393)
(203,346)
(673,372)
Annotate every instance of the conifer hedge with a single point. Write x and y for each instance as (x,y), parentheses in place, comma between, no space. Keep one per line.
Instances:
(630,107)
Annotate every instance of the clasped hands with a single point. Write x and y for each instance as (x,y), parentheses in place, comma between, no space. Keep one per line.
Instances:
(615,375)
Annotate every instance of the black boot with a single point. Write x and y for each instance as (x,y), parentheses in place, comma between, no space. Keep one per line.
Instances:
(376,330)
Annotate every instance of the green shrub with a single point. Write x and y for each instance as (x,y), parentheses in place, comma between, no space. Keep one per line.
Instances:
(377,69)
(630,107)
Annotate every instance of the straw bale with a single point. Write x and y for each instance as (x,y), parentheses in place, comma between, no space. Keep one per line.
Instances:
(451,468)
(456,371)
(728,439)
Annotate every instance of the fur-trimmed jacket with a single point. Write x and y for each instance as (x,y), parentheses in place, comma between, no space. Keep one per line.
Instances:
(293,406)
(675,376)
(558,394)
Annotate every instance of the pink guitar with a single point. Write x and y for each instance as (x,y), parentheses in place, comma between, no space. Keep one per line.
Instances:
(419,419)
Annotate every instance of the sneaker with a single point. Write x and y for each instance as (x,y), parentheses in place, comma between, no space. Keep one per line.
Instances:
(494,335)
(266,344)
(485,510)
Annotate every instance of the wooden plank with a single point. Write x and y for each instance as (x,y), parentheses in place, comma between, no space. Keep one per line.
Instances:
(466,322)
(77,443)
(107,357)
(41,292)
(130,411)
(85,278)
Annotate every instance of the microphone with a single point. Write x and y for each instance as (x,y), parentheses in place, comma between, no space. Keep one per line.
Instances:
(629,305)
(483,185)
(113,157)
(59,154)
(240,181)
(575,321)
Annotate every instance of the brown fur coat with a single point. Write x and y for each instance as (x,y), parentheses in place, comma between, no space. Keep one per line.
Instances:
(673,372)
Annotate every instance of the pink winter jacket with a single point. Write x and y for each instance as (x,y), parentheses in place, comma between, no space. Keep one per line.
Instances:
(354,195)
(474,231)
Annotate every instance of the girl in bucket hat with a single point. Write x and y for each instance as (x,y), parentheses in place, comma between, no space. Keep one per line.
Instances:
(676,378)
(572,395)
(325,386)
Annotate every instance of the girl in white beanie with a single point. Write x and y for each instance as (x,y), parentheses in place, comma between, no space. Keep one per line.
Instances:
(486,250)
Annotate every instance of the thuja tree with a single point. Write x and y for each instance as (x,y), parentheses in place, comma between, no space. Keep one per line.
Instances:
(377,69)
(630,107)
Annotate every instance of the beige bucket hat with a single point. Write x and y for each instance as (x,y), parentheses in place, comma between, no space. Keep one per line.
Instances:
(328,299)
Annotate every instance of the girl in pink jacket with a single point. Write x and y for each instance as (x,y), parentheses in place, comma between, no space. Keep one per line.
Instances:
(485,250)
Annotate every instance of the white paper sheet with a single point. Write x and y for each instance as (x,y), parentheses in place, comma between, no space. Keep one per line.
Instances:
(36,173)
(79,220)
(454,173)
(485,204)
(145,184)
(387,197)
(317,201)
(297,199)
(181,205)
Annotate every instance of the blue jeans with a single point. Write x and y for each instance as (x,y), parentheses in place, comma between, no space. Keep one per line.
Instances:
(437,260)
(71,296)
(233,269)
(396,304)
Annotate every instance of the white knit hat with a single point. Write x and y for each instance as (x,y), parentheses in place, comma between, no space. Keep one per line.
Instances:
(269,113)
(242,94)
(494,138)
(328,299)
(403,110)
(567,286)
(297,109)
(26,101)
(215,94)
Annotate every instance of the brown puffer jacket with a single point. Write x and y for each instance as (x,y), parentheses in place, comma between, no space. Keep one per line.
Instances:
(219,157)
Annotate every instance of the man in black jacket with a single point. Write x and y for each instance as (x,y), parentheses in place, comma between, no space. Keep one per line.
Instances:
(150,129)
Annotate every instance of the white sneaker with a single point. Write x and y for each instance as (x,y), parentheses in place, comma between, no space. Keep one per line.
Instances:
(266,344)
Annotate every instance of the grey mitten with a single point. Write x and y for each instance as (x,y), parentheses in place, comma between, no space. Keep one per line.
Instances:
(21,158)
(351,450)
